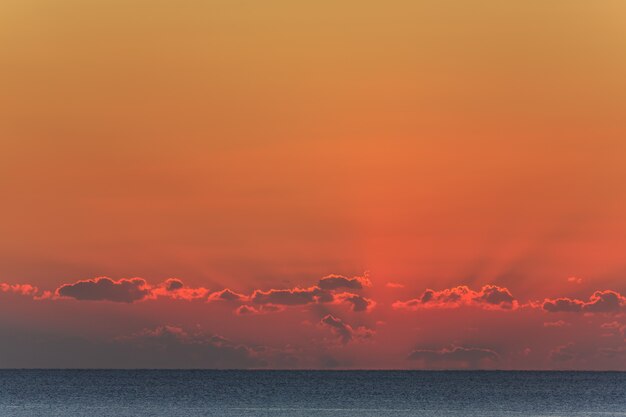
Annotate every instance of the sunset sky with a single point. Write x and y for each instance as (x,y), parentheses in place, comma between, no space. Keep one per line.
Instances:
(424,184)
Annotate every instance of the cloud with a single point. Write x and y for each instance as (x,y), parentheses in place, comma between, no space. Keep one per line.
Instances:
(136,289)
(244,310)
(292,297)
(336,282)
(174,288)
(614,352)
(575,280)
(187,294)
(324,292)
(173,284)
(21,289)
(563,353)
(312,295)
(344,331)
(562,305)
(358,302)
(559,323)
(179,347)
(489,297)
(227,295)
(615,327)
(394,285)
(106,289)
(457,355)
(606,301)
(493,295)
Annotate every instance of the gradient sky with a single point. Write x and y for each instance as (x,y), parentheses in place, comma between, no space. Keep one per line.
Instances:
(473,148)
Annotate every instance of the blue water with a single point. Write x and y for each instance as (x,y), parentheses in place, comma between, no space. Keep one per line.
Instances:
(32,393)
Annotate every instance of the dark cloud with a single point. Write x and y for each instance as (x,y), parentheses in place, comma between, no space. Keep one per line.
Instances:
(173,284)
(466,356)
(358,302)
(179,347)
(291,297)
(606,301)
(336,282)
(344,331)
(562,305)
(263,309)
(130,290)
(123,290)
(494,295)
(325,292)
(227,295)
(135,289)
(489,297)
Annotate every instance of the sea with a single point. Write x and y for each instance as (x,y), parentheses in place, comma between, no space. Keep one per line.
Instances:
(94,393)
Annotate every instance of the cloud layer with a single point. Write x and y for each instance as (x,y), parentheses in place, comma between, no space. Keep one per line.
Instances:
(336,315)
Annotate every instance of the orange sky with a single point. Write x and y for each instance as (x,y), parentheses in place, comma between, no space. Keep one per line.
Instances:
(257,146)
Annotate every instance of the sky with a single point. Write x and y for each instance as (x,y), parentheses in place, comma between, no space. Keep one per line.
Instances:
(333,185)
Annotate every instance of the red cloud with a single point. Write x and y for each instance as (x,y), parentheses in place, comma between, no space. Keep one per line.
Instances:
(606,301)
(344,331)
(575,280)
(21,289)
(336,282)
(489,297)
(103,288)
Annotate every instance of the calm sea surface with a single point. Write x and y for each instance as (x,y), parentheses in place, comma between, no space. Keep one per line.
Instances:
(33,393)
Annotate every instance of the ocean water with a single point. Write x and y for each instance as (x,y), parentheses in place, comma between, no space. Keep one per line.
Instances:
(33,393)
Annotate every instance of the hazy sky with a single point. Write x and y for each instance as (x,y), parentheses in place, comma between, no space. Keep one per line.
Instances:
(258,146)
